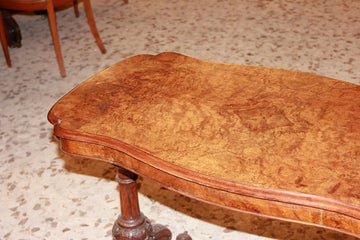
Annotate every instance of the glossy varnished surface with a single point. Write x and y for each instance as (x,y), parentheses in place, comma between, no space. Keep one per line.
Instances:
(274,135)
(30,5)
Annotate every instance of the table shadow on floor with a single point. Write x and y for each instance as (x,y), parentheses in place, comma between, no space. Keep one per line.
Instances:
(228,219)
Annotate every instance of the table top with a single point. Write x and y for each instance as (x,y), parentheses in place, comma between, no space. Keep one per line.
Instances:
(270,133)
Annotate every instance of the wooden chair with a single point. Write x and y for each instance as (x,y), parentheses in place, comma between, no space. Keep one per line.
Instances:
(49,6)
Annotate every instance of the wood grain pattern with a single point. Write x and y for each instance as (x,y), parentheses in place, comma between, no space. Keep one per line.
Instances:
(272,142)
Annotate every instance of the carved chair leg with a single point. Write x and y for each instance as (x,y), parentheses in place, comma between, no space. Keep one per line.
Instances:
(132,224)
(76,8)
(12,29)
(92,25)
(4,40)
(55,36)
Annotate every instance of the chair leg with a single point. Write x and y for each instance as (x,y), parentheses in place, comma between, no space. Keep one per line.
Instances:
(76,8)
(3,41)
(55,36)
(91,21)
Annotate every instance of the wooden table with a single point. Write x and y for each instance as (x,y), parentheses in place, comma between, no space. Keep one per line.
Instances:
(270,142)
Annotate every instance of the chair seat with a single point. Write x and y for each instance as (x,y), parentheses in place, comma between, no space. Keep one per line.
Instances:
(30,5)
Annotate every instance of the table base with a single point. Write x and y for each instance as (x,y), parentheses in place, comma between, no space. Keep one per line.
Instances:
(131,223)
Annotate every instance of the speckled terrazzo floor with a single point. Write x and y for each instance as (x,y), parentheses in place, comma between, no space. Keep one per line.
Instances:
(47,195)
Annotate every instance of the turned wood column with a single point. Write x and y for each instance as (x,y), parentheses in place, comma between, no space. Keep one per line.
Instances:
(131,224)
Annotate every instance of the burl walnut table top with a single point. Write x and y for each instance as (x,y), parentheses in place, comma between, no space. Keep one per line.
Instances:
(272,142)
